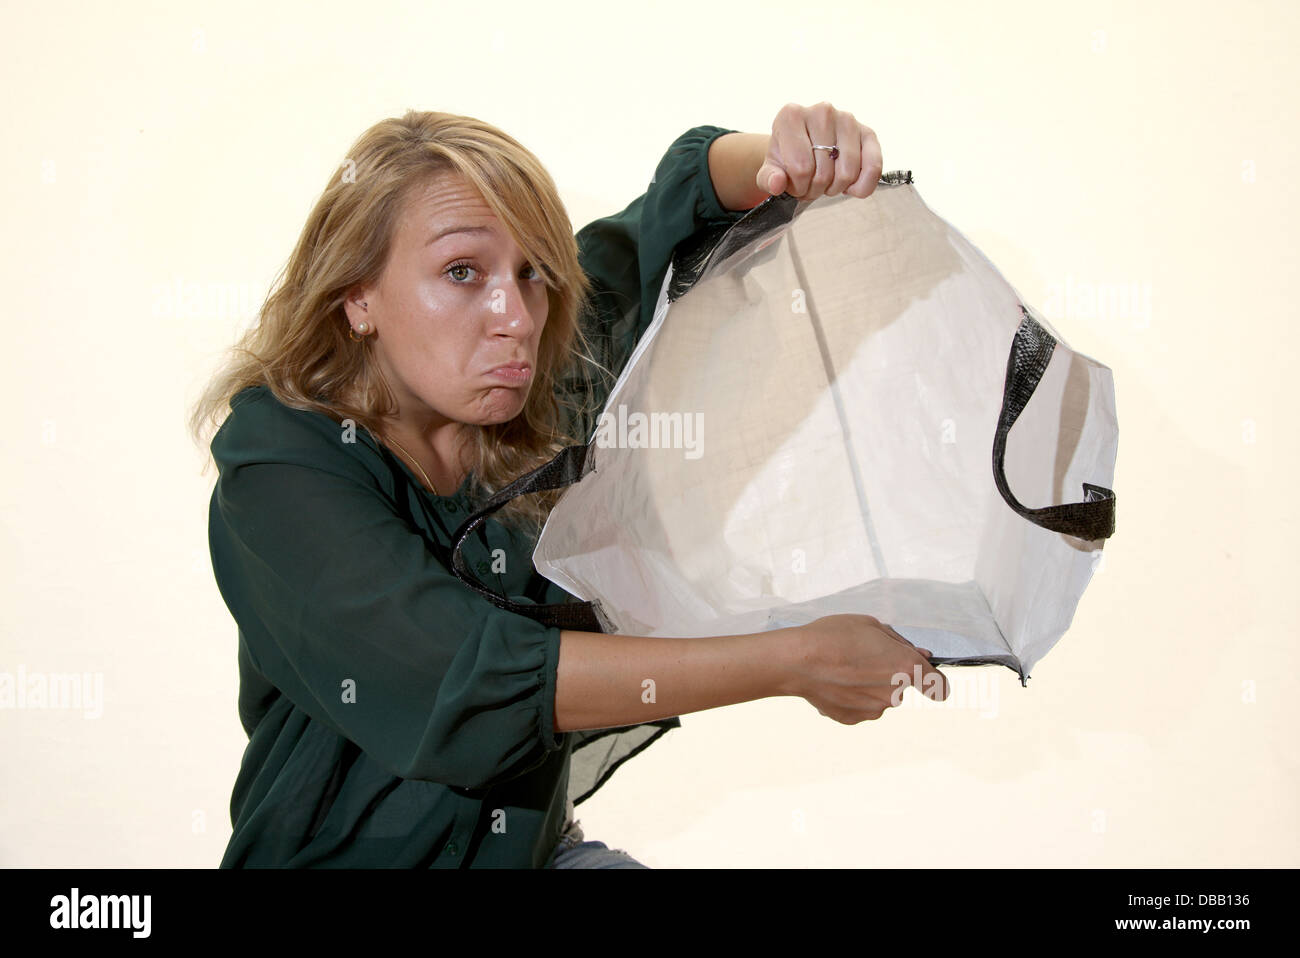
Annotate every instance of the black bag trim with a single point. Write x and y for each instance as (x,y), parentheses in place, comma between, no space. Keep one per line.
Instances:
(693,256)
(1031,351)
(1010,661)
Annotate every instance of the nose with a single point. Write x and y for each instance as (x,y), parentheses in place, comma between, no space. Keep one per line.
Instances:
(516,308)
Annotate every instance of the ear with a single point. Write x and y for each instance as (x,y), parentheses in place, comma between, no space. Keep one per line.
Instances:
(356,304)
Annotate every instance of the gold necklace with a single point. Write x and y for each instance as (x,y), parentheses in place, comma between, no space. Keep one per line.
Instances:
(417,465)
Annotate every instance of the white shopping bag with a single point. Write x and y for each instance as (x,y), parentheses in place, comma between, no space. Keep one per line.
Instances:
(819,420)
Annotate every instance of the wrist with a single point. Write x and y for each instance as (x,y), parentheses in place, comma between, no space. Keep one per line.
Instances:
(734,161)
(787,650)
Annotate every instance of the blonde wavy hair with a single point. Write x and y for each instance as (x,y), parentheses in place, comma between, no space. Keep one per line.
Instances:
(300,348)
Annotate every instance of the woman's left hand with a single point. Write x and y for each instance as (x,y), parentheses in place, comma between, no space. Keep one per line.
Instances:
(793,166)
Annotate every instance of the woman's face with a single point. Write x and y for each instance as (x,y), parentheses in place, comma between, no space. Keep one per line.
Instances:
(457,300)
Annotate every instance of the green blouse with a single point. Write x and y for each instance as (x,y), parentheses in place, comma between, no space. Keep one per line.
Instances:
(396,718)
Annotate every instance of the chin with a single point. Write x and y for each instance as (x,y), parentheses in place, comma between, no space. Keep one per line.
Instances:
(497,420)
(501,409)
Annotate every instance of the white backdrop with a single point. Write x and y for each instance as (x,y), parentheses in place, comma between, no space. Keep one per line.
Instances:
(1122,167)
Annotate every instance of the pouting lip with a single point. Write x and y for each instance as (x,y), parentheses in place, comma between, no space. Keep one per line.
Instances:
(520,364)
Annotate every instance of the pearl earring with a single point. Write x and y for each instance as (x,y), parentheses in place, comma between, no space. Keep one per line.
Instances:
(363,328)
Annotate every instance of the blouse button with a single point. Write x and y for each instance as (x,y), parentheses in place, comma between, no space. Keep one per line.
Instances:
(451,848)
(451,506)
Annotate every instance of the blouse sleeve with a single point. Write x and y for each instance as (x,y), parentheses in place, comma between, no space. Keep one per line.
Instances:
(627,255)
(345,610)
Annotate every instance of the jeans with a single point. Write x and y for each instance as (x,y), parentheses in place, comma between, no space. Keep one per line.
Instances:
(573,852)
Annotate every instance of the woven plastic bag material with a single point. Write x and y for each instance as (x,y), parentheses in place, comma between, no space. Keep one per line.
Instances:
(843,406)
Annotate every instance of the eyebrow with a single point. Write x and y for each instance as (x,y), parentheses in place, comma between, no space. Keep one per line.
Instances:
(456,229)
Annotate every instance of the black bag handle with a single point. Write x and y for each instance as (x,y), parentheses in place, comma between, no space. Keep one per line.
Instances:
(568,466)
(1031,351)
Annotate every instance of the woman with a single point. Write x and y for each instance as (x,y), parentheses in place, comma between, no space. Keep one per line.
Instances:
(439,331)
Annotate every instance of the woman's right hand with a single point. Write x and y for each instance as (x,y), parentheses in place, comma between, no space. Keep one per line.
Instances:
(853,667)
